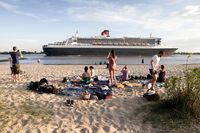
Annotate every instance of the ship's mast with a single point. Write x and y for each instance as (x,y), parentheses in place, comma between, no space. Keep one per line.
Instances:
(150,35)
(76,34)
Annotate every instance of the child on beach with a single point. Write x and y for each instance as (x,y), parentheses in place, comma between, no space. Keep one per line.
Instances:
(92,72)
(161,75)
(19,53)
(86,75)
(124,72)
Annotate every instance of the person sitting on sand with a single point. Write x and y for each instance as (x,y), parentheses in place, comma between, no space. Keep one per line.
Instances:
(161,75)
(124,72)
(92,72)
(86,75)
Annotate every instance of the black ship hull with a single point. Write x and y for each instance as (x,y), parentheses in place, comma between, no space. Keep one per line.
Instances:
(61,51)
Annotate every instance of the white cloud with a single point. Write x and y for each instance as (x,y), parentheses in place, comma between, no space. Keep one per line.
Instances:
(153,18)
(15,9)
(7,6)
(124,14)
(189,11)
(185,45)
(108,14)
(175,25)
(87,2)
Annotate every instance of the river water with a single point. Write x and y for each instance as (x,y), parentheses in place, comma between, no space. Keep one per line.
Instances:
(73,60)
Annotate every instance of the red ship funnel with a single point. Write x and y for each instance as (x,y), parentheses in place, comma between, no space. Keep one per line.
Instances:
(105,33)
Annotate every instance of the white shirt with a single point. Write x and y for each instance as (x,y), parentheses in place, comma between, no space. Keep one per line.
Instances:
(155,62)
(92,73)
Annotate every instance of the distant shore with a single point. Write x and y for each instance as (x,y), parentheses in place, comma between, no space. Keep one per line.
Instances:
(41,52)
(24,52)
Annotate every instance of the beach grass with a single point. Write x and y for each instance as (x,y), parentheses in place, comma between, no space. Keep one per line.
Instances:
(179,108)
(161,115)
(183,92)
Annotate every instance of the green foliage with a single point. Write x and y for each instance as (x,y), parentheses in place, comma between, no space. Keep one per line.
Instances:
(179,108)
(163,116)
(184,92)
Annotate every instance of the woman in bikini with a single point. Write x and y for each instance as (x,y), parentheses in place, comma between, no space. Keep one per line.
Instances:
(112,58)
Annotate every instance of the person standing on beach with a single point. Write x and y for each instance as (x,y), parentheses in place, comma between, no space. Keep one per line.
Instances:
(142,61)
(15,55)
(154,63)
(112,58)
(154,67)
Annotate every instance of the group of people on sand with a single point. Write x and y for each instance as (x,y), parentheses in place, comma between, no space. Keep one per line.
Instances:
(156,70)
(15,55)
(88,73)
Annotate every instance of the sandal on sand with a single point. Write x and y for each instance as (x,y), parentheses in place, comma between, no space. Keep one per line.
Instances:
(69,102)
(72,103)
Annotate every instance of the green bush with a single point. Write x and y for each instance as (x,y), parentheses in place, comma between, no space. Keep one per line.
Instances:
(184,92)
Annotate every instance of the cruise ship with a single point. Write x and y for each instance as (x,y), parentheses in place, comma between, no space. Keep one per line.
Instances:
(103,44)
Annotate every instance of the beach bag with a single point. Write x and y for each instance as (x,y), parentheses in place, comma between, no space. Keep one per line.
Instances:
(47,89)
(100,91)
(104,92)
(43,81)
(33,85)
(86,95)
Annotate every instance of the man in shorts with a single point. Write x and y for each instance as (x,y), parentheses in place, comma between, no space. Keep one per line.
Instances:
(154,67)
(15,63)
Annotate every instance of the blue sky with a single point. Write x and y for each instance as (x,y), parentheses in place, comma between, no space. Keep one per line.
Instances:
(29,24)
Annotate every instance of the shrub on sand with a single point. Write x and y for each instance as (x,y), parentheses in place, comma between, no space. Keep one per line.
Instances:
(184,92)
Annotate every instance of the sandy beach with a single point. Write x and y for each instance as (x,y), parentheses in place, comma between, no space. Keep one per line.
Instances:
(25,111)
